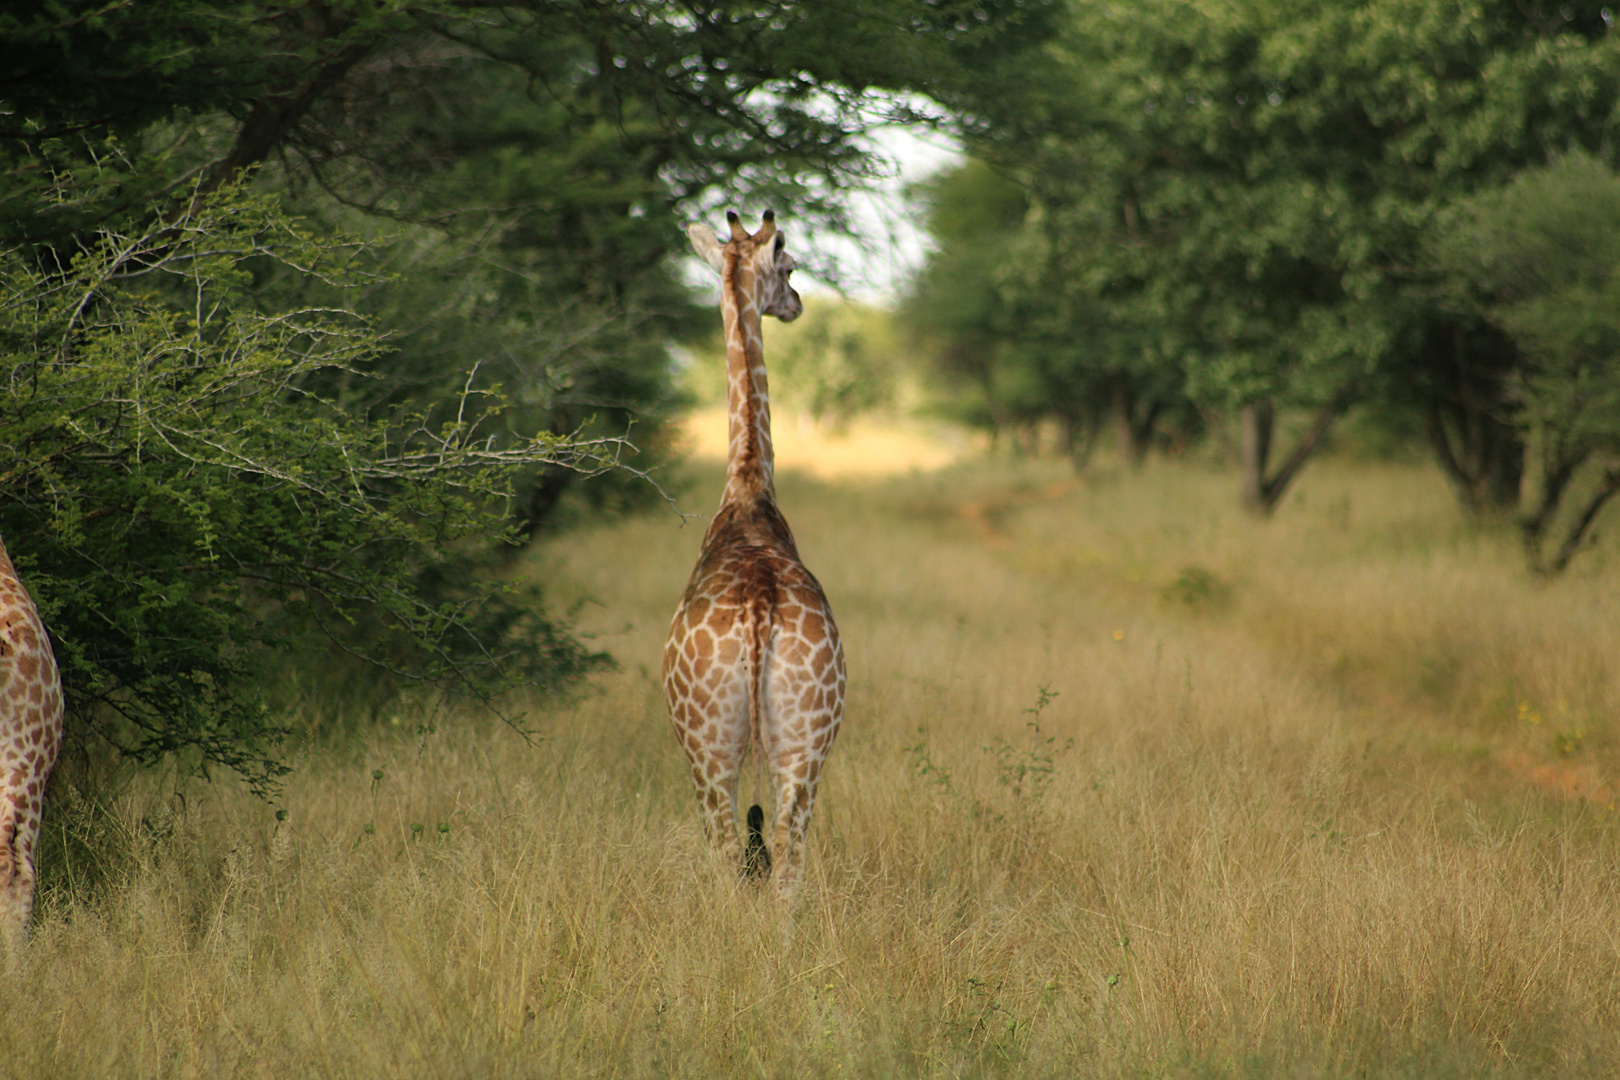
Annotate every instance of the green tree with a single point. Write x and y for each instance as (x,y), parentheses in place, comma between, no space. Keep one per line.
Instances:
(955,310)
(518,168)
(536,155)
(1255,183)
(185,500)
(1009,311)
(368,95)
(1540,259)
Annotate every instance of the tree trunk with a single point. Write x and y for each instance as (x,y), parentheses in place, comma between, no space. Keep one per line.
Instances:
(1558,470)
(274,115)
(1079,440)
(1481,455)
(1577,535)
(1135,422)
(985,375)
(1131,448)
(1559,498)
(1257,420)
(533,510)
(1467,415)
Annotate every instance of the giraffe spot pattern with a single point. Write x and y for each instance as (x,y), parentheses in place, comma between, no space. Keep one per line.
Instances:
(750,598)
(30,737)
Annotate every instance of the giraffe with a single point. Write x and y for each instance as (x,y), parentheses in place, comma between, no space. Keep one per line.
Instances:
(753,656)
(30,735)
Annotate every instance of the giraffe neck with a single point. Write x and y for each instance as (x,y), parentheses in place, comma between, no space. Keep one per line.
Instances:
(751,462)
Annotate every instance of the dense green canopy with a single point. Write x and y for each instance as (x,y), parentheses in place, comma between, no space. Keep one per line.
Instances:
(1245,192)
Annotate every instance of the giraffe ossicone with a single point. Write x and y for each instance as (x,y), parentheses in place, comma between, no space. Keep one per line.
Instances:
(30,737)
(753,658)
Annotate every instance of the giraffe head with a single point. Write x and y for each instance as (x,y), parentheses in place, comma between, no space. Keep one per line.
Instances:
(761,257)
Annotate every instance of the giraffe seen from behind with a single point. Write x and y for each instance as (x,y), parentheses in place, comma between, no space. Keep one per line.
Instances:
(30,736)
(753,656)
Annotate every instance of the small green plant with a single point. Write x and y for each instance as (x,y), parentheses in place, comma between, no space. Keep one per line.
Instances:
(1326,833)
(1027,771)
(1566,739)
(370,827)
(1196,588)
(1567,742)
(923,764)
(987,1021)
(1024,770)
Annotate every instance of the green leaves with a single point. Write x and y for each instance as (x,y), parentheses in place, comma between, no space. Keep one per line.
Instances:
(187,497)
(1540,259)
(1241,194)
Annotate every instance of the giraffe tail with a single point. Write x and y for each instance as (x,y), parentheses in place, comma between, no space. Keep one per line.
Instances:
(756,857)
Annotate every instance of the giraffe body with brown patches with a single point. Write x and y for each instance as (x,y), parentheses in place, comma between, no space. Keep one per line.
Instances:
(30,736)
(753,657)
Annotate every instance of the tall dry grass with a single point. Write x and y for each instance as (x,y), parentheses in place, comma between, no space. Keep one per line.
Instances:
(1302,805)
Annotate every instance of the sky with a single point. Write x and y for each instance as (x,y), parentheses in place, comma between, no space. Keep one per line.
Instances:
(874,266)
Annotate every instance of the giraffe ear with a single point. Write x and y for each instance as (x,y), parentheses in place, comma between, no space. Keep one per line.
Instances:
(706,244)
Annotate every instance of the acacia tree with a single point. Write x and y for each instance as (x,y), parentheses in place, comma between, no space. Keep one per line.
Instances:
(956,309)
(532,156)
(222,452)
(371,95)
(837,359)
(1010,334)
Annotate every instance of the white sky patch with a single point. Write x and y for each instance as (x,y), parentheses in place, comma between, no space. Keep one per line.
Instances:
(875,265)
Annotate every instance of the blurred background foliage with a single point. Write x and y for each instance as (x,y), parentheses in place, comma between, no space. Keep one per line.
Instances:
(1178,224)
(1230,209)
(837,360)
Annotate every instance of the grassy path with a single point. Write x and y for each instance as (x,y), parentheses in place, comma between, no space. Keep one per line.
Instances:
(1130,785)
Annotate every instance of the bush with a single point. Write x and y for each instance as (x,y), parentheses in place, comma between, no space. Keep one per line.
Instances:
(189,491)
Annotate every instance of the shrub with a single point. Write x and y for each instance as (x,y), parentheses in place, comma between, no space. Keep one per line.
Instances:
(189,490)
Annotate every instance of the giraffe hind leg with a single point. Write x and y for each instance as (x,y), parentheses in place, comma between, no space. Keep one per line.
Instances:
(16,873)
(796,795)
(717,796)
